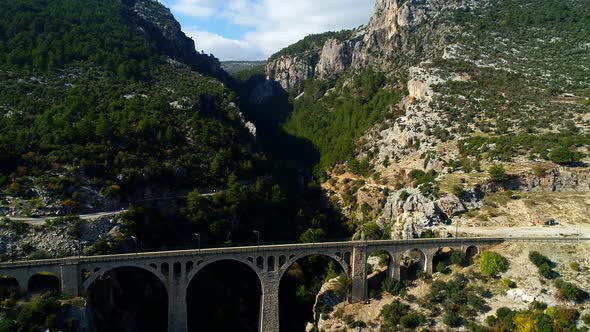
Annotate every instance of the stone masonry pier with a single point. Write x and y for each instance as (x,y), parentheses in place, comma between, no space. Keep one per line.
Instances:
(175,269)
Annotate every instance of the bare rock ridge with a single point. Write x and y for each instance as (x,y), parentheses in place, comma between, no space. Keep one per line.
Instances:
(374,44)
(159,25)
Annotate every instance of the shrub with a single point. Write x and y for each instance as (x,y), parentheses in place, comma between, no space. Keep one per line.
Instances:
(39,254)
(18,227)
(575,266)
(536,258)
(541,262)
(458,258)
(457,190)
(586,319)
(492,263)
(441,267)
(506,316)
(404,195)
(498,174)
(421,177)
(392,286)
(452,319)
(563,155)
(570,291)
(412,320)
(563,318)
(393,313)
(509,283)
(535,305)
(545,270)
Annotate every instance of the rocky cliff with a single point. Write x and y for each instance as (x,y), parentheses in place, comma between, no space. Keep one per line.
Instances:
(398,31)
(160,26)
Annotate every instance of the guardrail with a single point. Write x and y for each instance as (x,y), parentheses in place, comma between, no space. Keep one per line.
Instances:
(276,247)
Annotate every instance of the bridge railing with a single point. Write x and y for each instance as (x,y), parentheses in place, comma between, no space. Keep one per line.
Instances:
(277,247)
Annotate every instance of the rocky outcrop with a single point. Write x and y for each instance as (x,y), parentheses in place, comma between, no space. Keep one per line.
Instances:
(386,36)
(335,57)
(55,240)
(290,72)
(451,205)
(408,213)
(159,25)
(559,179)
(328,297)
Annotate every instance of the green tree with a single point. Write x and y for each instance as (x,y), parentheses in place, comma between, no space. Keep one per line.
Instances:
(492,263)
(393,313)
(498,174)
(563,155)
(312,235)
(458,258)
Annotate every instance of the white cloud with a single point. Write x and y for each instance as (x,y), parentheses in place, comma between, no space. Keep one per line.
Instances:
(196,8)
(224,48)
(270,25)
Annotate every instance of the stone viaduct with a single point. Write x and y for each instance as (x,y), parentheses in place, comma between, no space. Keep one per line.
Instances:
(175,269)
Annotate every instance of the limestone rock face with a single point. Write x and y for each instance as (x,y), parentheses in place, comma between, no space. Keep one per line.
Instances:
(56,240)
(329,296)
(335,57)
(289,71)
(386,34)
(451,205)
(561,179)
(409,217)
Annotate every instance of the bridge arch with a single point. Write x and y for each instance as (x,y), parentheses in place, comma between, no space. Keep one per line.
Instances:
(234,286)
(442,256)
(134,296)
(471,251)
(340,259)
(96,272)
(42,282)
(204,263)
(414,261)
(9,284)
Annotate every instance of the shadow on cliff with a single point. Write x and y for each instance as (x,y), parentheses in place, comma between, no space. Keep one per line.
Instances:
(267,105)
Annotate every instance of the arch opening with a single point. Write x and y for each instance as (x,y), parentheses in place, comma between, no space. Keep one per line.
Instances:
(224,295)
(305,280)
(44,282)
(412,264)
(9,287)
(471,252)
(442,259)
(379,273)
(128,299)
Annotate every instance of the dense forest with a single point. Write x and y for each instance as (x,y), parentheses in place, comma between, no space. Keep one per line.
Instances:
(103,107)
(107,111)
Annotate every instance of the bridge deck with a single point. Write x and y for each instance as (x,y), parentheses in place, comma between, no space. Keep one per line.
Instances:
(279,247)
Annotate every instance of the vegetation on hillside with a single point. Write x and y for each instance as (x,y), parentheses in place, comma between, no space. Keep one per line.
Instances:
(104,110)
(308,45)
(334,119)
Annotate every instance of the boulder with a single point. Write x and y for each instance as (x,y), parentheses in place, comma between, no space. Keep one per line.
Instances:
(408,213)
(451,205)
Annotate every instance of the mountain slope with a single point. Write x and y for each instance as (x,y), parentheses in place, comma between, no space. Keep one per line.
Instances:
(483,82)
(102,100)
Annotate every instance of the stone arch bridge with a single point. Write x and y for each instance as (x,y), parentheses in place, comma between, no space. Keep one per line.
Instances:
(175,269)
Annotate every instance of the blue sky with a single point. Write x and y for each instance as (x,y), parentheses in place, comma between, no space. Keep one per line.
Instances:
(254,29)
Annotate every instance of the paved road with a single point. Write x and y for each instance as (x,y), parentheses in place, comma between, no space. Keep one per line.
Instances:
(527,231)
(42,220)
